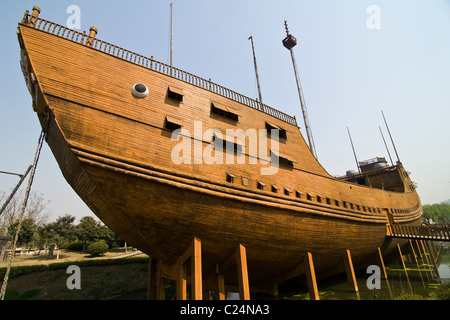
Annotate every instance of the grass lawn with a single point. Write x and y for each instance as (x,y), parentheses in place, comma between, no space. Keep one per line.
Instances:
(121,281)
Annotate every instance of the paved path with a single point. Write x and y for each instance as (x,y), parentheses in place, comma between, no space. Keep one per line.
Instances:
(128,254)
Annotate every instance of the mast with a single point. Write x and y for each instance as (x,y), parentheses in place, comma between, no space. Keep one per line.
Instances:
(171,36)
(256,70)
(354,153)
(385,144)
(289,43)
(398,159)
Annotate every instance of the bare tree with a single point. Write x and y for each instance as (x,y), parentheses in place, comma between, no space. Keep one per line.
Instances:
(36,209)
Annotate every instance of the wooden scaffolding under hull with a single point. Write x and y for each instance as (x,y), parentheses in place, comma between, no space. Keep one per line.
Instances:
(188,270)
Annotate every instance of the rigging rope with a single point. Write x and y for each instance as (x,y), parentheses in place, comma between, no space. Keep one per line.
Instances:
(22,214)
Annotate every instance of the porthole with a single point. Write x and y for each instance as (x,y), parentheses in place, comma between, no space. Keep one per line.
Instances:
(139,90)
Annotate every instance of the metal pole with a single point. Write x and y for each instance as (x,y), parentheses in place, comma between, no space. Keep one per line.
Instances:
(398,159)
(289,42)
(12,173)
(22,178)
(256,70)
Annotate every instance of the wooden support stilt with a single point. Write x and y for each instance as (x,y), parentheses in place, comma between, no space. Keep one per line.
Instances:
(414,258)
(220,284)
(196,267)
(181,281)
(426,258)
(381,263)
(429,259)
(351,278)
(193,253)
(402,264)
(433,257)
(421,256)
(241,263)
(151,283)
(432,251)
(238,259)
(311,277)
(160,284)
(383,270)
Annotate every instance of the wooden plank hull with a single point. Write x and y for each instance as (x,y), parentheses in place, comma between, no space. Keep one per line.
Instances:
(163,216)
(115,152)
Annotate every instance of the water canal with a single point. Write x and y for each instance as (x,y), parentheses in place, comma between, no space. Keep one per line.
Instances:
(396,286)
(336,288)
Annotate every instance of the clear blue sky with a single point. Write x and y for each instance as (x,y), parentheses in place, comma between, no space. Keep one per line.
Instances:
(349,73)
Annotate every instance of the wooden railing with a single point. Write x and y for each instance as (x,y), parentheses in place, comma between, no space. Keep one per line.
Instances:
(154,65)
(432,232)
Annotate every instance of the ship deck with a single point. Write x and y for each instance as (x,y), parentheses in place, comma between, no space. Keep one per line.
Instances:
(157,66)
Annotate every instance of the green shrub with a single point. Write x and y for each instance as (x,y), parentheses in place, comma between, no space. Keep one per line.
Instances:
(75,246)
(410,296)
(64,245)
(98,248)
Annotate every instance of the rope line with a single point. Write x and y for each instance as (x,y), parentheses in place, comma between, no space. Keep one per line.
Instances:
(22,214)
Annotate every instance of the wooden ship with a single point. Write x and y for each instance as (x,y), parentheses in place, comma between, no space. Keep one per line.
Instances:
(110,117)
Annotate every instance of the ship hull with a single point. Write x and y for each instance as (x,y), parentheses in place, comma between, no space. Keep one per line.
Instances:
(161,215)
(116,154)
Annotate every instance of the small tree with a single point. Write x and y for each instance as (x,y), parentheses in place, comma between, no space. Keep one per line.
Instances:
(27,231)
(87,230)
(108,236)
(98,248)
(56,233)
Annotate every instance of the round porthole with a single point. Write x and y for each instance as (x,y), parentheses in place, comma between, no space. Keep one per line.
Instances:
(139,90)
